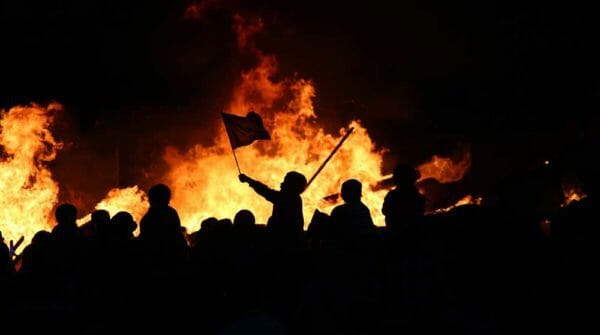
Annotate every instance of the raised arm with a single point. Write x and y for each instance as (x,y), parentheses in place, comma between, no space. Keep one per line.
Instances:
(260,188)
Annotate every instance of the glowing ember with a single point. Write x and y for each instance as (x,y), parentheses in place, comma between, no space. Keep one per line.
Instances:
(571,195)
(28,191)
(466,200)
(130,199)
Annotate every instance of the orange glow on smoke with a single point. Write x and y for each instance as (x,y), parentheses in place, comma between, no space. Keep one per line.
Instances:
(28,192)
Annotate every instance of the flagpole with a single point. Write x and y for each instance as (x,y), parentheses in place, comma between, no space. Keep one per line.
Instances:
(235,157)
(231,145)
(330,155)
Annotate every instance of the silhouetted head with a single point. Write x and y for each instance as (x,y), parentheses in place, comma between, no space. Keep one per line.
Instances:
(100,217)
(66,214)
(244,220)
(223,225)
(1,237)
(405,175)
(208,224)
(351,191)
(41,237)
(225,222)
(159,195)
(123,222)
(294,182)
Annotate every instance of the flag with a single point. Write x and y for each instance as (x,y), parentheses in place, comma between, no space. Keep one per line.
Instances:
(244,130)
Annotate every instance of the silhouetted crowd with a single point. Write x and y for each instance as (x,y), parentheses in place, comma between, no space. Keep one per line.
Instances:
(473,270)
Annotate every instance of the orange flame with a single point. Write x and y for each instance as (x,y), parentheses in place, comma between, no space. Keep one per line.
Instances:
(466,200)
(445,170)
(571,195)
(203,180)
(28,192)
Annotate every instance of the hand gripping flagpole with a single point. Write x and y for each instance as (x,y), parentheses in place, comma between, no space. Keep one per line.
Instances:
(330,155)
(231,144)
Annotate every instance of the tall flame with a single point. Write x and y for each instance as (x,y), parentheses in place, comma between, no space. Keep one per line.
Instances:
(204,180)
(28,192)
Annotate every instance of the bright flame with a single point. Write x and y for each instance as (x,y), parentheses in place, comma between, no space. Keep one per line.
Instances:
(466,200)
(27,191)
(204,180)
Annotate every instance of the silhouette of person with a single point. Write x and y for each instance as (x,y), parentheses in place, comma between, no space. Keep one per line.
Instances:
(36,255)
(6,264)
(69,253)
(352,219)
(161,223)
(66,230)
(286,218)
(162,241)
(7,274)
(403,206)
(100,220)
(122,226)
(244,221)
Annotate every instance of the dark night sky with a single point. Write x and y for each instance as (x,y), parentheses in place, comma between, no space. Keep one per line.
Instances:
(517,80)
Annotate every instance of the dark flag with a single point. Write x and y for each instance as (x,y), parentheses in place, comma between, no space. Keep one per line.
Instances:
(244,130)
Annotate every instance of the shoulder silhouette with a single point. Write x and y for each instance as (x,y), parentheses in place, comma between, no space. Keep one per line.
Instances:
(404,205)
(352,217)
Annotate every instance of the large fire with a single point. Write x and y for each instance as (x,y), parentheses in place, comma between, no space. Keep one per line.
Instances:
(28,192)
(204,179)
